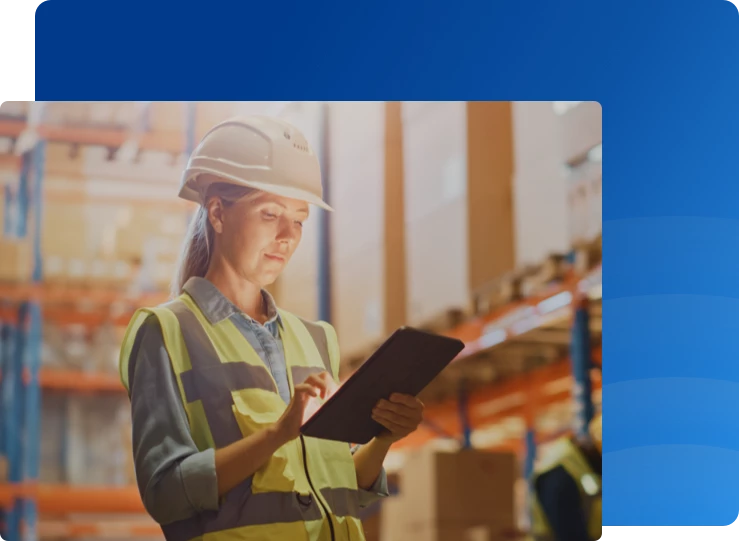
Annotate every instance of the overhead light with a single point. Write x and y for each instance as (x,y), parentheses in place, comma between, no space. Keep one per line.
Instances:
(560,300)
(561,107)
(595,154)
(492,338)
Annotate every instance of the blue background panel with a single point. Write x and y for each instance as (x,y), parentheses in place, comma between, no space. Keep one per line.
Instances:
(667,77)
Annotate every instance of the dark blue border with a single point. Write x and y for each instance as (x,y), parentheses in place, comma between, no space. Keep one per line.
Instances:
(667,76)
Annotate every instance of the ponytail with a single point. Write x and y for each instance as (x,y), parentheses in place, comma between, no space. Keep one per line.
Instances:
(197,249)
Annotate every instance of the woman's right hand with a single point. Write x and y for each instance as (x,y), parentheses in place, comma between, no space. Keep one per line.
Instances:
(303,402)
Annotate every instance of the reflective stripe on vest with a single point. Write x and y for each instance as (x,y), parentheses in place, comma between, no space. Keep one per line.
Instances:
(229,393)
(566,454)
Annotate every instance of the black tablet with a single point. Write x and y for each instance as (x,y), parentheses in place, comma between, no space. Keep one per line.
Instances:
(406,363)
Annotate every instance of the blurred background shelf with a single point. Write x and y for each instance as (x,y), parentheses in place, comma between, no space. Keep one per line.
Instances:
(65,500)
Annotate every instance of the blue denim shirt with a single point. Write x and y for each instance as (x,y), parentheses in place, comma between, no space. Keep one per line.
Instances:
(175,479)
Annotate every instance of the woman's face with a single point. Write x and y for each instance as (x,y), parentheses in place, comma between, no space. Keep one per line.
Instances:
(258,235)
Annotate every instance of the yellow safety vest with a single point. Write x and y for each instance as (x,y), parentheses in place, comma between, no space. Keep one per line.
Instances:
(308,488)
(564,453)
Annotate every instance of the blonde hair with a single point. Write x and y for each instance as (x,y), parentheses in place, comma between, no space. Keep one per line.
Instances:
(197,248)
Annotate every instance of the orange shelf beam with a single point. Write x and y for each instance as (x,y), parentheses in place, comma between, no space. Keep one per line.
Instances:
(67,499)
(494,403)
(48,293)
(83,135)
(80,382)
(81,198)
(11,128)
(78,529)
(173,141)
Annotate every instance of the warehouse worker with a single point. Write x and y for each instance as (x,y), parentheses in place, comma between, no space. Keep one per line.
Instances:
(220,378)
(567,489)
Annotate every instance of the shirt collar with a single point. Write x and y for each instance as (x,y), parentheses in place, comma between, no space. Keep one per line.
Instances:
(216,307)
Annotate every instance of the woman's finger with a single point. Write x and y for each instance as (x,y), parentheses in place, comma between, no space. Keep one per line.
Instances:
(407,400)
(405,422)
(306,389)
(399,409)
(394,428)
(316,381)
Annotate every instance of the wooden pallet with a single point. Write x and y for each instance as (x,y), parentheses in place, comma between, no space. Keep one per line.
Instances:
(553,269)
(588,255)
(445,320)
(497,293)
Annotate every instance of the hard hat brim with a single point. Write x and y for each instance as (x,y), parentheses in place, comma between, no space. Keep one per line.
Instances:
(189,193)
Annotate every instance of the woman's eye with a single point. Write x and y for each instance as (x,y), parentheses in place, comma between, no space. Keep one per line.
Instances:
(299,223)
(270,216)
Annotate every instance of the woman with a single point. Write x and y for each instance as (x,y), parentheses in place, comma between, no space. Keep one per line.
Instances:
(220,379)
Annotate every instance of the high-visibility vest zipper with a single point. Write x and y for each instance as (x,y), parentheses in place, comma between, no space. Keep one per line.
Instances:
(318,497)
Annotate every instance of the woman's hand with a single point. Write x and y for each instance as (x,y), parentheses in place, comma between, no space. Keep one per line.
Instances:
(400,416)
(303,404)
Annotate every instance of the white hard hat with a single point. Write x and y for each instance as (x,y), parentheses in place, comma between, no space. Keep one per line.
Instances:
(259,152)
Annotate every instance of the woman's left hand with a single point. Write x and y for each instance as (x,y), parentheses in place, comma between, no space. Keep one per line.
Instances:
(400,415)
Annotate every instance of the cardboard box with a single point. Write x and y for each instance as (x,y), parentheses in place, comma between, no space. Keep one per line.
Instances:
(540,185)
(581,130)
(392,519)
(465,486)
(168,116)
(396,288)
(435,205)
(210,113)
(371,524)
(356,173)
(490,161)
(63,161)
(16,264)
(14,109)
(458,532)
(585,202)
(445,496)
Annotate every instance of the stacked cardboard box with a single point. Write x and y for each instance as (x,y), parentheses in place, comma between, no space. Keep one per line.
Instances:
(458,168)
(14,109)
(53,413)
(98,442)
(168,117)
(452,496)
(105,114)
(581,149)
(540,184)
(15,260)
(435,174)
(102,245)
(210,113)
(356,176)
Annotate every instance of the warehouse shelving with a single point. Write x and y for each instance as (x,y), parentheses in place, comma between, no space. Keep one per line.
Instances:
(22,307)
(66,499)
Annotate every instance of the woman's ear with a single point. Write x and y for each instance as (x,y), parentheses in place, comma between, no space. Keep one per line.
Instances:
(215,213)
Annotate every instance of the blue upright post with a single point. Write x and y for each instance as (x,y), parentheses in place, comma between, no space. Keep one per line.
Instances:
(580,354)
(13,389)
(6,403)
(528,470)
(190,142)
(23,196)
(190,127)
(8,225)
(324,242)
(464,417)
(32,355)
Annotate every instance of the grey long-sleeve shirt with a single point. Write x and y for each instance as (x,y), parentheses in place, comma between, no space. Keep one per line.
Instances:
(175,479)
